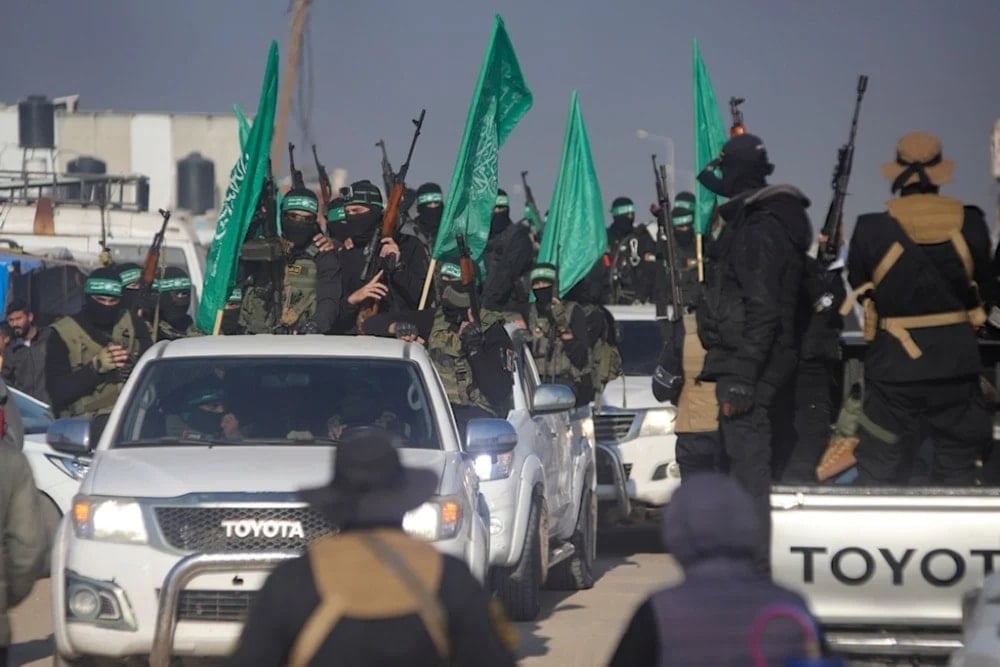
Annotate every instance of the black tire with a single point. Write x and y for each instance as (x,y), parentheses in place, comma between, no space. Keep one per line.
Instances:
(576,573)
(519,587)
(59,661)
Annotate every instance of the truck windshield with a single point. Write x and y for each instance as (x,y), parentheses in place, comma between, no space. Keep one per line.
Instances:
(640,346)
(268,401)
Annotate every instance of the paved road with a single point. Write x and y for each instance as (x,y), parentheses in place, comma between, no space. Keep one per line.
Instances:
(578,629)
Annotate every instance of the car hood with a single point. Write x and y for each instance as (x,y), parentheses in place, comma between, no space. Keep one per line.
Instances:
(168,472)
(631,392)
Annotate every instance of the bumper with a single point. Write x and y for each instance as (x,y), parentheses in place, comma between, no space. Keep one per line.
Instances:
(892,643)
(649,467)
(502,499)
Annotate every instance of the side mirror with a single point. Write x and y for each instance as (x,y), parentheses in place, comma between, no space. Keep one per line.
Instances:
(553,398)
(70,436)
(489,436)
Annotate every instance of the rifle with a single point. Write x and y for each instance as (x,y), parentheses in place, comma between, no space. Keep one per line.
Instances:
(388,176)
(297,180)
(833,226)
(263,245)
(532,205)
(148,276)
(468,276)
(667,243)
(738,127)
(390,219)
(325,187)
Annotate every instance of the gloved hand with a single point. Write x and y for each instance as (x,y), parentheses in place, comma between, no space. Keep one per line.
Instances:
(736,397)
(560,315)
(110,358)
(406,330)
(472,339)
(308,327)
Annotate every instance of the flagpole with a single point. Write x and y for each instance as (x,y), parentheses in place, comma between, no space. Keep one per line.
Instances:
(427,284)
(700,254)
(288,82)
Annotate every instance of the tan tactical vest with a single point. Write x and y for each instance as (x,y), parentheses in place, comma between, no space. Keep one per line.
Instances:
(926,220)
(697,407)
(82,350)
(371,575)
(445,348)
(298,300)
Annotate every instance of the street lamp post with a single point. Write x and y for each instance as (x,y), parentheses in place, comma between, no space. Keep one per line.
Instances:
(669,143)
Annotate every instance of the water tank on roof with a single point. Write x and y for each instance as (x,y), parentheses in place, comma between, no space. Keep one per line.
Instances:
(195,184)
(36,118)
(89,192)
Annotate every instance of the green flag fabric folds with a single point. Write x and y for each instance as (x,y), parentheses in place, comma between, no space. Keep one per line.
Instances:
(709,137)
(500,100)
(245,183)
(575,236)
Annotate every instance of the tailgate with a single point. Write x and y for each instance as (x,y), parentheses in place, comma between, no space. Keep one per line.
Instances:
(885,557)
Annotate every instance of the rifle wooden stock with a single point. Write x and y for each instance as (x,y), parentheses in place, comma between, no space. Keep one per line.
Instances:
(148,275)
(468,268)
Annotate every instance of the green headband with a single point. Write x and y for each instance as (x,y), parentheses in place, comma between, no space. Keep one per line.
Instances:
(624,209)
(300,203)
(366,198)
(449,270)
(130,276)
(337,214)
(543,273)
(430,198)
(236,296)
(172,284)
(502,200)
(683,219)
(102,287)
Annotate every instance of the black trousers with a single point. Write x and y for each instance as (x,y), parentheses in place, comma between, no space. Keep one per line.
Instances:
(700,452)
(951,413)
(747,442)
(798,449)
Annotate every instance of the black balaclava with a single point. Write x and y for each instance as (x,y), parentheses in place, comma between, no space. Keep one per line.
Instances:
(455,297)
(429,215)
(501,219)
(361,227)
(299,233)
(102,282)
(336,216)
(744,166)
(175,297)
(543,295)
(682,216)
(622,216)
(129,273)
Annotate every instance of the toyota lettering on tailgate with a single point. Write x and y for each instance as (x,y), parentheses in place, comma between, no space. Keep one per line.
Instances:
(854,566)
(263,528)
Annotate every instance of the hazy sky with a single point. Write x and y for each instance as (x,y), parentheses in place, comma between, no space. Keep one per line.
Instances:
(933,65)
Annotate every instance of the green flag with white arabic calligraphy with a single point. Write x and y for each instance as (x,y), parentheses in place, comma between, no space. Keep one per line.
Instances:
(500,100)
(246,181)
(575,237)
(709,136)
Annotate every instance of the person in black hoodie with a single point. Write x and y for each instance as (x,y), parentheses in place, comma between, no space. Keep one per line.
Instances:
(747,319)
(633,255)
(508,257)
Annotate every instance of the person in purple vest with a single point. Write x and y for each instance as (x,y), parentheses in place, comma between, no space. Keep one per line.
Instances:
(711,529)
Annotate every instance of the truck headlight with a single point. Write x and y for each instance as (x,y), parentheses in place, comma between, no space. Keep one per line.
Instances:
(437,519)
(72,466)
(494,466)
(109,520)
(657,422)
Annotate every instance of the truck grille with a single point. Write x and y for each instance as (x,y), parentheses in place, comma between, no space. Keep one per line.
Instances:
(214,605)
(227,529)
(613,427)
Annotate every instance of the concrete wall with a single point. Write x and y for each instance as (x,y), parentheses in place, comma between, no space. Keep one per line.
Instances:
(214,136)
(153,157)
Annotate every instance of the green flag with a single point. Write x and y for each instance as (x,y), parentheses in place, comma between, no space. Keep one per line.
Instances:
(245,183)
(709,136)
(500,100)
(534,217)
(575,236)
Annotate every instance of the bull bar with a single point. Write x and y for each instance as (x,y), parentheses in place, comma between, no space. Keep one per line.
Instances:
(618,475)
(180,576)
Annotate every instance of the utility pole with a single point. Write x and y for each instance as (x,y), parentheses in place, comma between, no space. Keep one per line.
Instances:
(299,16)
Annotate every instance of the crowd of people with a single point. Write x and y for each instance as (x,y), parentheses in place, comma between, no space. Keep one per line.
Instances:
(751,355)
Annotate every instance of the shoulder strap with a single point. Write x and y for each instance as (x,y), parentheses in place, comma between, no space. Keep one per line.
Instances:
(317,628)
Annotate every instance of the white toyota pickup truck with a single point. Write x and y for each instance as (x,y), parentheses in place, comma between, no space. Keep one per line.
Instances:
(192,493)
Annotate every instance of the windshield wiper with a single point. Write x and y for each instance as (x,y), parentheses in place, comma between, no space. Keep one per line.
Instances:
(168,440)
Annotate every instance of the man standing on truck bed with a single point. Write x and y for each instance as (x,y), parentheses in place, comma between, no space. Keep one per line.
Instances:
(371,594)
(919,268)
(90,355)
(747,317)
